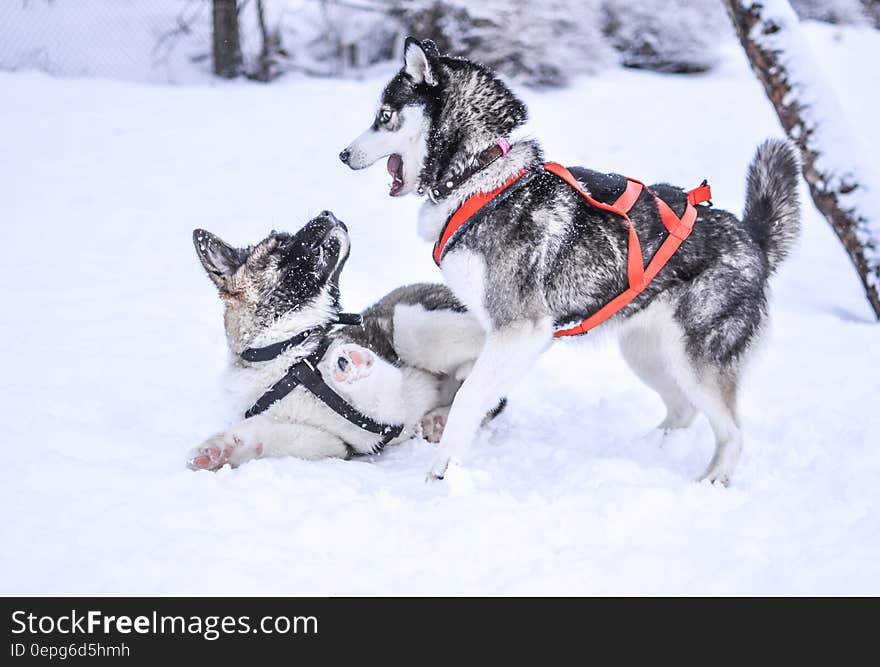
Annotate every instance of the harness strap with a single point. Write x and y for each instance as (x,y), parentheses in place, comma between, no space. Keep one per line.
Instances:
(638,275)
(269,352)
(310,378)
(306,373)
(474,204)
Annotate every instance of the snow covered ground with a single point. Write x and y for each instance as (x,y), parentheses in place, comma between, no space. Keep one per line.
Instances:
(113,350)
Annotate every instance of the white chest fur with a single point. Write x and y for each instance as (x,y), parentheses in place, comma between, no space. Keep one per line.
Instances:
(465,274)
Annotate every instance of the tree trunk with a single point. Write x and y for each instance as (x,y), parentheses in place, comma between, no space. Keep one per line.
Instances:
(226,42)
(840,186)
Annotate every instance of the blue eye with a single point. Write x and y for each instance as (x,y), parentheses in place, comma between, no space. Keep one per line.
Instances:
(384,116)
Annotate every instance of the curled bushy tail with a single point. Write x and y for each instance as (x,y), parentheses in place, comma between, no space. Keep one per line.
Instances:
(773,211)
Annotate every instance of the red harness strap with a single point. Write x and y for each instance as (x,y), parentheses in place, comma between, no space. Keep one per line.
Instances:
(638,275)
(466,211)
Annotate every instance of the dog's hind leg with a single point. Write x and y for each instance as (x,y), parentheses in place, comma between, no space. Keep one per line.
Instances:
(718,402)
(262,437)
(654,342)
(434,422)
(650,351)
(713,391)
(722,312)
(508,353)
(440,341)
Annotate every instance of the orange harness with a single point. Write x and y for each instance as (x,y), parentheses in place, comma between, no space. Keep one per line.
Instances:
(638,275)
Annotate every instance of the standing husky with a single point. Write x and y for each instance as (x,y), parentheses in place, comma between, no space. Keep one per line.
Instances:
(543,257)
(281,300)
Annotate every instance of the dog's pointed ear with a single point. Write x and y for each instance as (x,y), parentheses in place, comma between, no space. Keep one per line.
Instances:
(219,258)
(420,61)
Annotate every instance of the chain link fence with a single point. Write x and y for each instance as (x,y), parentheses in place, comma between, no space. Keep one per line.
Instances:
(171,40)
(139,40)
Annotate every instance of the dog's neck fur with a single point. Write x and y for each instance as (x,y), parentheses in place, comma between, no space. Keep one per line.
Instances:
(470,111)
(524,154)
(319,313)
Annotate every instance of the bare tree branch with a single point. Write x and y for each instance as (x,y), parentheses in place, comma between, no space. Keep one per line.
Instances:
(189,15)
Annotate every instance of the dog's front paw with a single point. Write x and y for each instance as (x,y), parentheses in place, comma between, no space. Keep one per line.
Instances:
(223,448)
(716,475)
(438,469)
(351,363)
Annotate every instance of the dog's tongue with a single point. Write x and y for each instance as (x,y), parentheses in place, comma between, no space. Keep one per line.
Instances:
(395,168)
(394,164)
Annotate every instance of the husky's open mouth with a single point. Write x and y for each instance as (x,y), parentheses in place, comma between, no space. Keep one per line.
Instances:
(395,168)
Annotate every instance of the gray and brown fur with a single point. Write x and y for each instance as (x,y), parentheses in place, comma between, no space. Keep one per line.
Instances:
(288,284)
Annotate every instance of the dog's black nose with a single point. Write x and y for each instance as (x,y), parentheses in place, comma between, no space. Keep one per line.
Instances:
(329,214)
(345,155)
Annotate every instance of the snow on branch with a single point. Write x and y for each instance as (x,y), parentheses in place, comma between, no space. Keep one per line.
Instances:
(842,183)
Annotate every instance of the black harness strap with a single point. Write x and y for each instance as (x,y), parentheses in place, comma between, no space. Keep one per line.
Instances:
(269,352)
(288,382)
(355,319)
(275,349)
(305,372)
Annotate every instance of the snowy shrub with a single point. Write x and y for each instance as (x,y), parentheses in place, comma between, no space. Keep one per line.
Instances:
(679,36)
(832,11)
(538,44)
(872,11)
(335,37)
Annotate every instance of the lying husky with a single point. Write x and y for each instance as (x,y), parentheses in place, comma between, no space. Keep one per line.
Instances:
(542,257)
(316,392)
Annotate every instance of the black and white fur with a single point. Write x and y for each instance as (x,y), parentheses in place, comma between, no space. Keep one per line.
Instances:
(544,257)
(402,365)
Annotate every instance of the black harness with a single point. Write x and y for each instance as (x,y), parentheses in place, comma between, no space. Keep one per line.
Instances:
(305,372)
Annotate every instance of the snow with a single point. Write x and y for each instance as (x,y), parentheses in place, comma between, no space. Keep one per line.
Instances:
(113,349)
